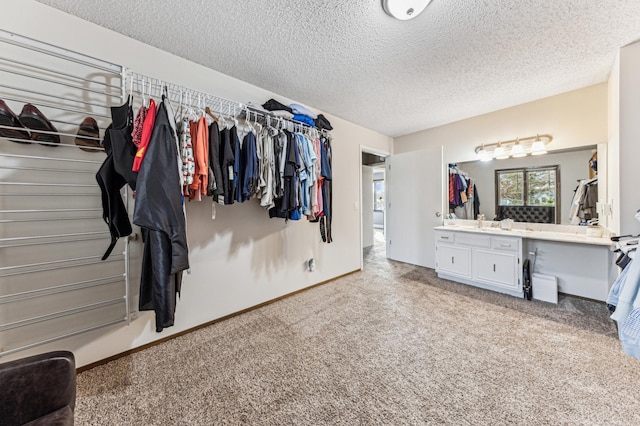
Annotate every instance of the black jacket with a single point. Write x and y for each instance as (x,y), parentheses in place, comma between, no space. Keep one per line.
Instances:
(159,211)
(116,172)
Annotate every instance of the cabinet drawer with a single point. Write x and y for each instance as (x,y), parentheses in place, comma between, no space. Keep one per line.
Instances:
(445,237)
(505,244)
(474,240)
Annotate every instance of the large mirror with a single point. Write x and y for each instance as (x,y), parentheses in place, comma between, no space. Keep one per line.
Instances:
(536,189)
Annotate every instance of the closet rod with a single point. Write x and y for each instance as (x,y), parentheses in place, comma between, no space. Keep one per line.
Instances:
(55,219)
(33,157)
(64,288)
(42,104)
(60,314)
(60,83)
(64,336)
(111,258)
(110,86)
(44,243)
(38,169)
(58,52)
(176,89)
(179,93)
(218,105)
(42,237)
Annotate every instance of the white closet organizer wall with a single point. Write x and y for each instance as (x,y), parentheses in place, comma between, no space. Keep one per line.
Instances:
(53,283)
(55,107)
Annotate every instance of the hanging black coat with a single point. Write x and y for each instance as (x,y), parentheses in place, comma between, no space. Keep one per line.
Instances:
(116,172)
(159,211)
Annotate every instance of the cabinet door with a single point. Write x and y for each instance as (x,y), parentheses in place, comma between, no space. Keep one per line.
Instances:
(454,260)
(496,268)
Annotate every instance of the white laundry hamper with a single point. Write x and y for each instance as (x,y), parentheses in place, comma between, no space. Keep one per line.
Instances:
(545,288)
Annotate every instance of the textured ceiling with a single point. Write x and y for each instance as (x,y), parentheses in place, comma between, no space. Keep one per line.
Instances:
(460,58)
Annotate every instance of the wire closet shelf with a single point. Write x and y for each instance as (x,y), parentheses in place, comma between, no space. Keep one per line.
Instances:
(183,97)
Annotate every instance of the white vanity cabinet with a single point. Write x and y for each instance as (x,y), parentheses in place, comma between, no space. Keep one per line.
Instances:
(483,260)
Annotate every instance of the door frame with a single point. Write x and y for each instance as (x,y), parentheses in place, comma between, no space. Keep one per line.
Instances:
(381,153)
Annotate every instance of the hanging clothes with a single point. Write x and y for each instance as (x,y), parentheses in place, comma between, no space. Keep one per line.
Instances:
(327,192)
(215,170)
(238,164)
(145,135)
(186,154)
(583,205)
(136,133)
(268,169)
(227,160)
(462,194)
(200,183)
(249,164)
(115,172)
(284,205)
(624,296)
(122,147)
(160,213)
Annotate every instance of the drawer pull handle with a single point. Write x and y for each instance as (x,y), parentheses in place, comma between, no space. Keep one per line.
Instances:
(494,267)
(505,245)
(444,238)
(452,260)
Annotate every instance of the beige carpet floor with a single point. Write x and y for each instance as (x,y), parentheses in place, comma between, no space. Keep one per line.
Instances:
(392,345)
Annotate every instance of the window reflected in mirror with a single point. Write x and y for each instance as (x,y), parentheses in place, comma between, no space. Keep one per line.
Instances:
(528,194)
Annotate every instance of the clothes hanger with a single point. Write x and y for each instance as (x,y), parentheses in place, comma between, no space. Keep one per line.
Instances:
(131,87)
(213,117)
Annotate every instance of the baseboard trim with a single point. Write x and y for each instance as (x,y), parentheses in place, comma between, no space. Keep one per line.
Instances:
(206,324)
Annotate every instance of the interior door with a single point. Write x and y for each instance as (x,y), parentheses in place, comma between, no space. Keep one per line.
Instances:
(414,205)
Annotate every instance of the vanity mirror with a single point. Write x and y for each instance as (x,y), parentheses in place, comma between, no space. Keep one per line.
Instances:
(536,189)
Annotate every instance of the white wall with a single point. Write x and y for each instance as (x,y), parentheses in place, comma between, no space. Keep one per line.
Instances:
(574,119)
(613,147)
(242,258)
(367,206)
(574,166)
(629,133)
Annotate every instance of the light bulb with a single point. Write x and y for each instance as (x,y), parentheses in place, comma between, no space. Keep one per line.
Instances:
(501,153)
(538,148)
(517,151)
(483,155)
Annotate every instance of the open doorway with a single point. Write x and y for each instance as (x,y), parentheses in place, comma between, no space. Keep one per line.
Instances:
(373,204)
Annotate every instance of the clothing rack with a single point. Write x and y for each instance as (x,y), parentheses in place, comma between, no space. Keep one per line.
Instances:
(143,85)
(53,283)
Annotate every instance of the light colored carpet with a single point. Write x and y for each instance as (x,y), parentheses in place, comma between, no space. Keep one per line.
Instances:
(392,345)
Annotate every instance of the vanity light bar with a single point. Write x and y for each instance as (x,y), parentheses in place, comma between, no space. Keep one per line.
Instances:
(518,147)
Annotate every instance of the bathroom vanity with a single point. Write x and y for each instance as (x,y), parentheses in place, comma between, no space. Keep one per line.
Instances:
(492,258)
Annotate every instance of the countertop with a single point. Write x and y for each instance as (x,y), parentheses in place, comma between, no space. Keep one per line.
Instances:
(565,237)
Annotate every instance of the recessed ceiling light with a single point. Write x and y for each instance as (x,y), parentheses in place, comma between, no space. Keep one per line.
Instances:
(404,9)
